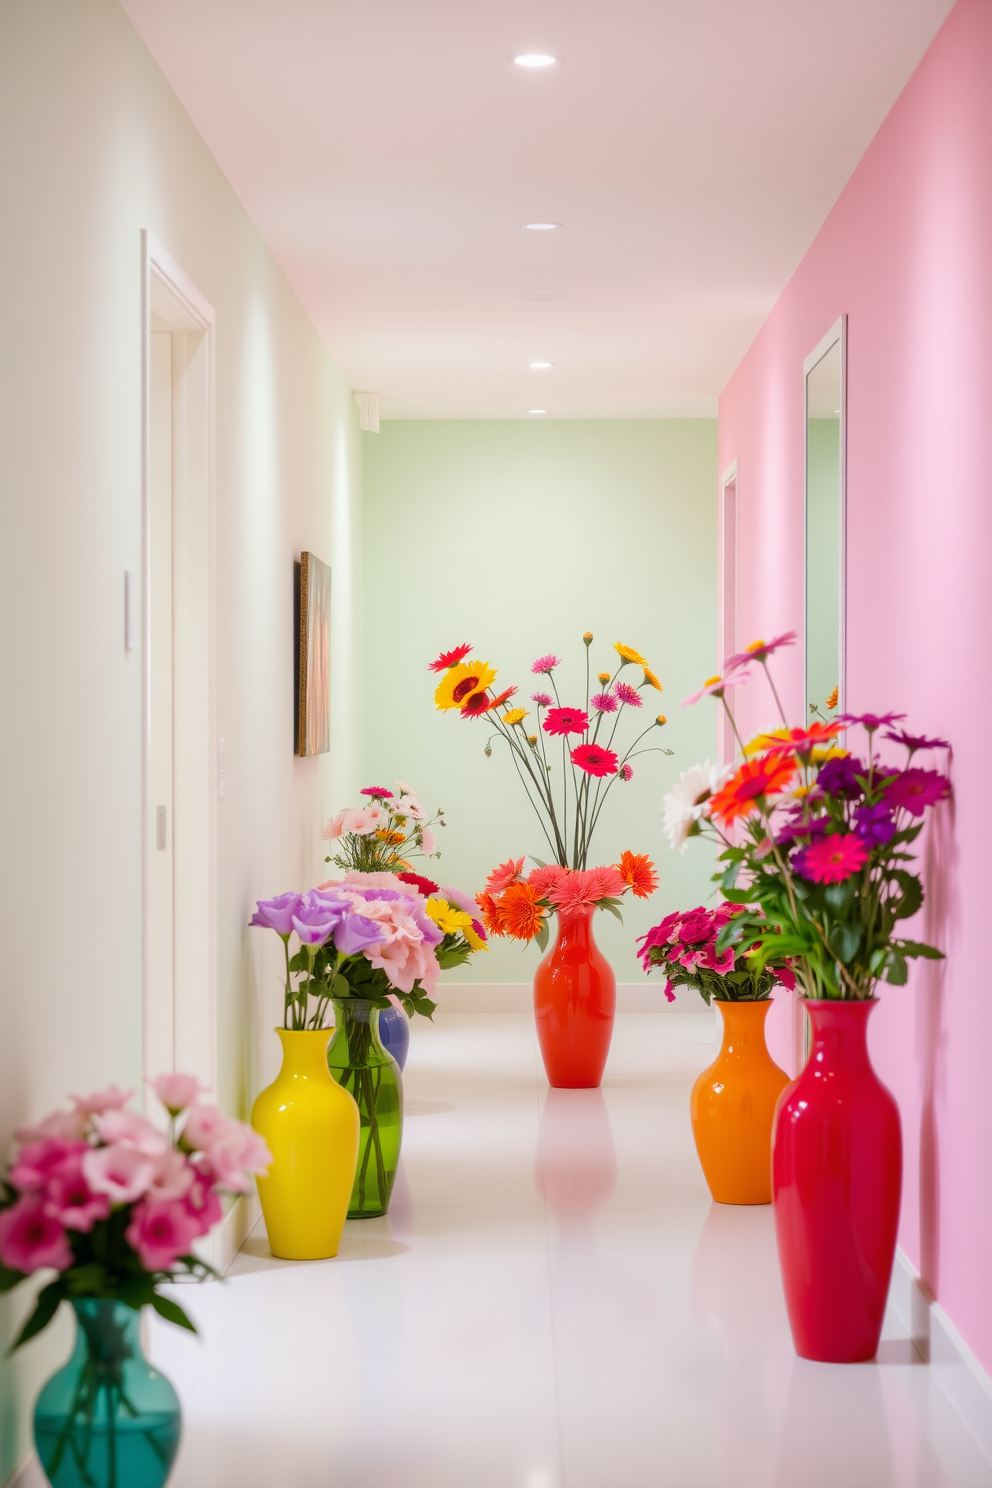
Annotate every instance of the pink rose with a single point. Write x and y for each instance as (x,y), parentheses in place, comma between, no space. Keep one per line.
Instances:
(37,1161)
(70,1200)
(176,1091)
(125,1129)
(120,1172)
(172,1176)
(110,1099)
(160,1232)
(202,1204)
(31,1239)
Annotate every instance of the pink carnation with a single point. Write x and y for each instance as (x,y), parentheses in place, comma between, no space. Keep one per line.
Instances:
(30,1238)
(403,953)
(161,1232)
(119,1171)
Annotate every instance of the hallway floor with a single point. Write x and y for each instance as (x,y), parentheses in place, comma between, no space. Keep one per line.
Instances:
(552,1302)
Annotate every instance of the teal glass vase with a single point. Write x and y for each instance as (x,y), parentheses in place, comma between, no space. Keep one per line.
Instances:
(360,1064)
(107,1419)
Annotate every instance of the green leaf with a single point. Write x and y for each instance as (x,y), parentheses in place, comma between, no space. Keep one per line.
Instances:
(729,878)
(542,936)
(340,986)
(897,972)
(840,897)
(844,941)
(612,906)
(919,948)
(45,1309)
(171,1311)
(912,895)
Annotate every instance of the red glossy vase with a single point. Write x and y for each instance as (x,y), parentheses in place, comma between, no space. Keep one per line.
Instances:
(575,998)
(836,1183)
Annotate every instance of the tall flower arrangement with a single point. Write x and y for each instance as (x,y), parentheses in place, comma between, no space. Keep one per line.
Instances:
(382,834)
(518,905)
(568,756)
(816,839)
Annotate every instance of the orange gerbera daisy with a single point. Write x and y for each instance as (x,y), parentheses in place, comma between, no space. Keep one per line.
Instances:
(637,870)
(520,912)
(755,778)
(393,838)
(492,913)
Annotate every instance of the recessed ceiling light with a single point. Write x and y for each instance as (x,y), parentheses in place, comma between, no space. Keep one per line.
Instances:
(542,299)
(535,59)
(540,366)
(541,226)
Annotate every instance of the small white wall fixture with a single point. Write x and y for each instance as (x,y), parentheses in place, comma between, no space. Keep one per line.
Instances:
(178,728)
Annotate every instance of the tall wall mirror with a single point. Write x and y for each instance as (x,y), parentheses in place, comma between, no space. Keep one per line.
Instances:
(825,371)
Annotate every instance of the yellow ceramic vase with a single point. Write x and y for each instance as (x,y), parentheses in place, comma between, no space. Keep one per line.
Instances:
(311,1126)
(732,1107)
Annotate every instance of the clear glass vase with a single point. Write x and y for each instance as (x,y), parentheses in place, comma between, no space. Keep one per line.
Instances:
(107,1419)
(361,1066)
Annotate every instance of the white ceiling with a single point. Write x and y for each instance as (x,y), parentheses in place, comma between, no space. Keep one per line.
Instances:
(389,151)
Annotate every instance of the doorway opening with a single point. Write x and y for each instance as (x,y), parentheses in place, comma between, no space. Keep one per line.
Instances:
(179,971)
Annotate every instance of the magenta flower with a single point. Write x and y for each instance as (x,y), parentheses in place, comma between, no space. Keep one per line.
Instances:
(715,687)
(37,1162)
(594,759)
(874,824)
(759,651)
(542,699)
(118,1171)
(832,859)
(70,1200)
(604,702)
(840,777)
(913,742)
(565,721)
(202,1204)
(546,663)
(378,791)
(626,772)
(277,914)
(31,1239)
(914,790)
(161,1232)
(628,695)
(872,721)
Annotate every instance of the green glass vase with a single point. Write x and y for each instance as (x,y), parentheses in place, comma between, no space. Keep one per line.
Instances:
(107,1419)
(361,1066)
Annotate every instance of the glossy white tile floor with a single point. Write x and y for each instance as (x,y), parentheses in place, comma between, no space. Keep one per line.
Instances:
(553,1302)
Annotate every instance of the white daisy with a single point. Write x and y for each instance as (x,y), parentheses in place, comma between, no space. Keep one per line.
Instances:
(405,790)
(688,801)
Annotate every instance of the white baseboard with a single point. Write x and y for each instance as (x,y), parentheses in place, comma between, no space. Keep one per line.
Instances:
(28,1475)
(518,997)
(954,1366)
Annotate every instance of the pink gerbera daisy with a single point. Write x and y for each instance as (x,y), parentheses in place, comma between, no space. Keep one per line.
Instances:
(578,890)
(506,874)
(833,859)
(544,879)
(594,759)
(604,702)
(627,694)
(546,663)
(758,651)
(378,791)
(565,721)
(542,699)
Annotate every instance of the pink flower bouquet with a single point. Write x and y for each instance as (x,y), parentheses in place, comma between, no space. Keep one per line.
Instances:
(113,1204)
(687,945)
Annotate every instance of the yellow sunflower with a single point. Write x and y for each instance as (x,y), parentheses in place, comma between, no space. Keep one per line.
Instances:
(650,680)
(459,682)
(515,715)
(627,653)
(453,921)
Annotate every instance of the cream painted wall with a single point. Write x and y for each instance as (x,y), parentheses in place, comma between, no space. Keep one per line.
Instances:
(517,537)
(94,147)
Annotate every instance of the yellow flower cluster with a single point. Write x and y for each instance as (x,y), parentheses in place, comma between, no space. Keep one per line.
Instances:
(453,921)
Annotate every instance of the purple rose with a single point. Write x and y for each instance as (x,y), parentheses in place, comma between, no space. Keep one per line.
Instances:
(277,914)
(874,824)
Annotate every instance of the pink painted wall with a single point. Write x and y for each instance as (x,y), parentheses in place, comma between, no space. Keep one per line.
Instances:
(907,253)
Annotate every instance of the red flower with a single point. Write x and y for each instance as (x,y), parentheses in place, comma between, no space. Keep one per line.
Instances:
(637,870)
(475,705)
(426,887)
(449,659)
(763,777)
(594,759)
(507,693)
(378,791)
(832,859)
(565,721)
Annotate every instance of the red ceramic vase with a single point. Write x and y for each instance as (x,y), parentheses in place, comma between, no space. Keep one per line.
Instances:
(575,998)
(836,1182)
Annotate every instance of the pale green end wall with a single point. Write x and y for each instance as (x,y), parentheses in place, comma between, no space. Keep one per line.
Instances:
(518,537)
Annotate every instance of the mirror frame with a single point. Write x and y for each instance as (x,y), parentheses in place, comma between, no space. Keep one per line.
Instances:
(837,333)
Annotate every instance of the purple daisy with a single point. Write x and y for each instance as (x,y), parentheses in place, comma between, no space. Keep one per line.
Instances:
(604,702)
(872,721)
(914,790)
(913,742)
(542,699)
(546,663)
(627,694)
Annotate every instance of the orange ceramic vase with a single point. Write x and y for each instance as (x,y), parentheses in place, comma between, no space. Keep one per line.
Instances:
(732,1107)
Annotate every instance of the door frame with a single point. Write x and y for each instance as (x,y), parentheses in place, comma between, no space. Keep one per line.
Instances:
(168,291)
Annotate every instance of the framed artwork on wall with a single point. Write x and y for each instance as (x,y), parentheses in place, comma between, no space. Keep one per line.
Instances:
(313,649)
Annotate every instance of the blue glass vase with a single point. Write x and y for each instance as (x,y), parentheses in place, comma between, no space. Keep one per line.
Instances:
(107,1419)
(394,1033)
